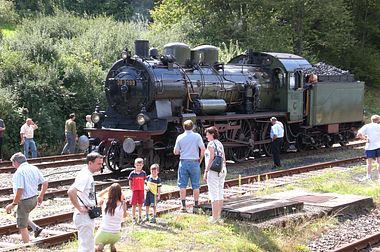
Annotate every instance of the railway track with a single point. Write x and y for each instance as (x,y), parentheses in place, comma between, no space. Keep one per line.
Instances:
(170,201)
(47,162)
(76,159)
(360,244)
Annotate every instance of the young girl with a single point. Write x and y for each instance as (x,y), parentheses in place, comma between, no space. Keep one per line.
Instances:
(114,209)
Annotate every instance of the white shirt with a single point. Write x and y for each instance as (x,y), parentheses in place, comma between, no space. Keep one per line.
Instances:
(277,129)
(111,223)
(84,183)
(188,144)
(219,148)
(372,131)
(27,130)
(27,177)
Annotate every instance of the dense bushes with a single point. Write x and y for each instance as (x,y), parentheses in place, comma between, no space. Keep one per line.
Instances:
(54,66)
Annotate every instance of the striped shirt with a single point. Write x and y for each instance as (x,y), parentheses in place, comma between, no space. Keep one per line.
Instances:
(138,180)
(27,177)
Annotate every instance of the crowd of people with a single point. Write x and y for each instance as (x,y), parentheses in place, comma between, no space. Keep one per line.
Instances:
(27,136)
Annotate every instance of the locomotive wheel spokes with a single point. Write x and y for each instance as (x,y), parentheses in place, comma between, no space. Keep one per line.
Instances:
(113,157)
(301,146)
(266,135)
(327,141)
(243,134)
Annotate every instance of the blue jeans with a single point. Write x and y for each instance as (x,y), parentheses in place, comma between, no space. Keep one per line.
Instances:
(189,169)
(70,144)
(30,144)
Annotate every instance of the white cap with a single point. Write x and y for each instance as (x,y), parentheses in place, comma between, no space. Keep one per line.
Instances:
(273,118)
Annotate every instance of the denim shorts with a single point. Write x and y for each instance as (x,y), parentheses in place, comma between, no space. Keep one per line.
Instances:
(372,153)
(189,169)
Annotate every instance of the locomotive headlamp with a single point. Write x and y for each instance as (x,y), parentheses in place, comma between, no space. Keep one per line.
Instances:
(96,117)
(142,119)
(125,54)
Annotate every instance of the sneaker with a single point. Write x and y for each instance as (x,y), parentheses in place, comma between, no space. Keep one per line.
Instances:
(153,220)
(220,221)
(135,221)
(140,220)
(196,209)
(183,209)
(146,219)
(212,220)
(37,232)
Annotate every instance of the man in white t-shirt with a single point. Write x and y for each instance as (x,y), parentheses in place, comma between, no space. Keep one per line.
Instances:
(82,196)
(27,137)
(371,133)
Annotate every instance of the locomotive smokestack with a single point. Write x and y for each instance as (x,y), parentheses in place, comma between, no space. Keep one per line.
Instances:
(142,48)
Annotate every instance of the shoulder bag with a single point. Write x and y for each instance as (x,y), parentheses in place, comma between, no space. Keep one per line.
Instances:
(95,211)
(217,163)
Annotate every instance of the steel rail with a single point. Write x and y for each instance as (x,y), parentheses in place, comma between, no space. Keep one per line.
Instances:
(62,182)
(52,164)
(359,244)
(6,163)
(63,192)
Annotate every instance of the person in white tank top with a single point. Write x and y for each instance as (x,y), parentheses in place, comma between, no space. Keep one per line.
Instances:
(114,209)
(215,180)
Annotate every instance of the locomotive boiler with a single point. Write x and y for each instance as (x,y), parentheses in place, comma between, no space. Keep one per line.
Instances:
(150,95)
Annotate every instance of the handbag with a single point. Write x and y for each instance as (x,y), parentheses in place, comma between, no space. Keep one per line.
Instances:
(95,211)
(217,163)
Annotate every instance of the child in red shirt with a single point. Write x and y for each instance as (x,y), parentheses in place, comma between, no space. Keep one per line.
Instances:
(136,184)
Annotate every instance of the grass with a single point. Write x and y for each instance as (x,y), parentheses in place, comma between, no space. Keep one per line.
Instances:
(7,30)
(344,183)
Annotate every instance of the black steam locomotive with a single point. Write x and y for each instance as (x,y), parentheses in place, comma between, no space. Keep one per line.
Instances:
(149,97)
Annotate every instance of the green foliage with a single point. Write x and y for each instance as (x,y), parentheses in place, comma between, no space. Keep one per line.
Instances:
(8,13)
(229,51)
(55,65)
(11,116)
(119,9)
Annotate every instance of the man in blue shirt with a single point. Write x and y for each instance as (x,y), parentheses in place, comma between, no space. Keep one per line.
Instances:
(189,145)
(25,189)
(276,134)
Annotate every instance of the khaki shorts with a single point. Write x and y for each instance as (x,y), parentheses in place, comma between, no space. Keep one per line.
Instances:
(23,209)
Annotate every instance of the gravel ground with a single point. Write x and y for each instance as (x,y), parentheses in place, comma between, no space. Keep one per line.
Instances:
(351,228)
(50,174)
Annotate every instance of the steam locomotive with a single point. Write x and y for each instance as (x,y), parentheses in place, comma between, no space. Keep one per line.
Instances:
(150,95)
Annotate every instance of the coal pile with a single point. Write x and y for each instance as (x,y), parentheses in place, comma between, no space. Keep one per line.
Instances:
(329,73)
(325,69)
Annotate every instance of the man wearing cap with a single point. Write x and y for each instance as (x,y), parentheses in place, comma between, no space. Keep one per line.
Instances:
(276,134)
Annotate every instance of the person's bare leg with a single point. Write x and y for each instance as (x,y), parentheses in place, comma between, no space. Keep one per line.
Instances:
(134,211)
(182,193)
(99,248)
(196,194)
(214,207)
(24,235)
(369,166)
(140,211)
